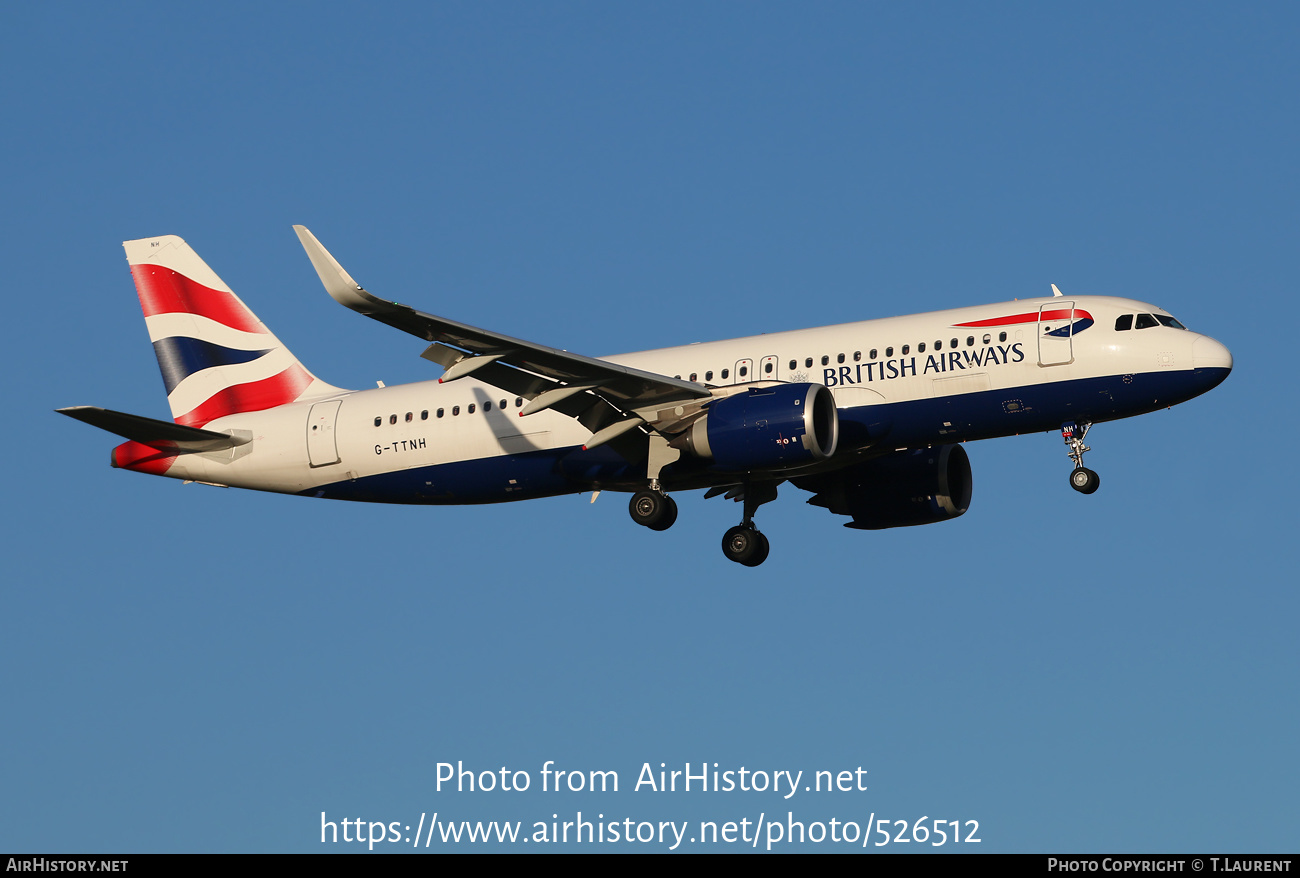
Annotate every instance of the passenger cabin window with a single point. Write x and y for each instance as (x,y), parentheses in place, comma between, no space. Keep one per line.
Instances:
(953,343)
(424,415)
(470,409)
(938,345)
(744,370)
(392,419)
(1002,336)
(455,410)
(708,376)
(767,367)
(970,341)
(487,406)
(1124,323)
(694,376)
(889,352)
(906,349)
(807,363)
(725,373)
(378,421)
(857,356)
(519,402)
(1146,321)
(826,361)
(987,338)
(920,349)
(794,364)
(840,358)
(409,417)
(441,412)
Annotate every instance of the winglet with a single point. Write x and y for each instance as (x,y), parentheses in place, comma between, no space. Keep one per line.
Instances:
(338,283)
(1055,291)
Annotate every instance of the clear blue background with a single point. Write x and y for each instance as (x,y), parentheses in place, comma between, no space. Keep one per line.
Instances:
(190,669)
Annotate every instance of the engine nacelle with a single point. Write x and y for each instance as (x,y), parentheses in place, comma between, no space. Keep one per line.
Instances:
(773,427)
(899,490)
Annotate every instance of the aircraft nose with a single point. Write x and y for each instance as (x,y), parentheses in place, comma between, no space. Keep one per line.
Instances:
(1209,354)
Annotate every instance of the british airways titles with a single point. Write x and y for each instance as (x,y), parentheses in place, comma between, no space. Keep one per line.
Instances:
(904,367)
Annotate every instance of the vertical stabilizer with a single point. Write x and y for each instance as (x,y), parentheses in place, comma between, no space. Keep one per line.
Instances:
(216,357)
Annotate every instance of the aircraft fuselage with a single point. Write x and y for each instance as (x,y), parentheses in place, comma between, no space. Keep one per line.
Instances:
(932,380)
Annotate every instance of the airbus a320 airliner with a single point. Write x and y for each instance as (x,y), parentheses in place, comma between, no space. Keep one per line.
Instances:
(868,417)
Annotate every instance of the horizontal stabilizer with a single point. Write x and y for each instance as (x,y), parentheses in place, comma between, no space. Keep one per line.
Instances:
(163,435)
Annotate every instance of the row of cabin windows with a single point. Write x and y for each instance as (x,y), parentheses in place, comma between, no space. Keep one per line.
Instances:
(769,366)
(726,373)
(872,355)
(455,410)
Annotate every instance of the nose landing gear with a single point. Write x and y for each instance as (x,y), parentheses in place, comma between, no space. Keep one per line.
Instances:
(1082,479)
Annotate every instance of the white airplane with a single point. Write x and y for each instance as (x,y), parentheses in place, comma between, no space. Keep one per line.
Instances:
(869,417)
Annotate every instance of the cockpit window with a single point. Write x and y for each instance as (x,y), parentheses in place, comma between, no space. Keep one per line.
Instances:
(1169,321)
(1146,321)
(1124,323)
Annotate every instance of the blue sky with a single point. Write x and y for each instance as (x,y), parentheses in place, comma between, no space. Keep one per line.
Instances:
(192,669)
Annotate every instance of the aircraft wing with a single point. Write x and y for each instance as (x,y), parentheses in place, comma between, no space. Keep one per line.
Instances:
(521,367)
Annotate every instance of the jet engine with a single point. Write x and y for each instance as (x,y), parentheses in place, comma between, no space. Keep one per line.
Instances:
(763,428)
(898,490)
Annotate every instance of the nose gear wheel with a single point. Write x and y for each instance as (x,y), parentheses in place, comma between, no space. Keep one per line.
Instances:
(1084,480)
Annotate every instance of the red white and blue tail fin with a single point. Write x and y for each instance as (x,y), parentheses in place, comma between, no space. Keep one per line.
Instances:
(216,357)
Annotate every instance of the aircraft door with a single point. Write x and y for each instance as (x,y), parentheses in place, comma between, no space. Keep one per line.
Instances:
(767,369)
(1056,334)
(744,372)
(322,449)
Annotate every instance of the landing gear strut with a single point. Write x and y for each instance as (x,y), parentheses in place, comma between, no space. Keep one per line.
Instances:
(653,509)
(744,544)
(1082,479)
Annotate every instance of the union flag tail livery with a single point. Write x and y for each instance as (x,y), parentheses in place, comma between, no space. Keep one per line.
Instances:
(216,357)
(870,418)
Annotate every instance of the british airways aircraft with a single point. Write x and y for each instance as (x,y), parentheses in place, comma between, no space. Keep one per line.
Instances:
(868,417)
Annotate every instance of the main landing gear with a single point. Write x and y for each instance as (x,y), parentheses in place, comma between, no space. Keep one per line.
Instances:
(1082,479)
(744,543)
(653,509)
